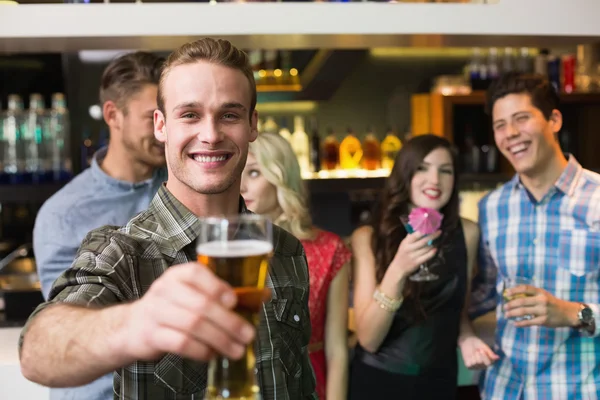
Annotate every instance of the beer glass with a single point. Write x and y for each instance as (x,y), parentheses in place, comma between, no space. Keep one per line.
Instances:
(237,249)
(508,283)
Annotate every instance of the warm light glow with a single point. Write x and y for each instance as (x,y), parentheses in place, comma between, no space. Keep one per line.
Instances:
(433,52)
(293,72)
(262,73)
(277,73)
(351,173)
(287,107)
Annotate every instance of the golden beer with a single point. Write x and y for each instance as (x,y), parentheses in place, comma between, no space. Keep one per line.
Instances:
(244,265)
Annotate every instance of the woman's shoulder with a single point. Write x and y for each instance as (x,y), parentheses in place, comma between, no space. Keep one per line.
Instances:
(470,228)
(327,237)
(363,233)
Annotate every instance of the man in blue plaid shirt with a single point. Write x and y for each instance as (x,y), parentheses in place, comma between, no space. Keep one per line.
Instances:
(543,226)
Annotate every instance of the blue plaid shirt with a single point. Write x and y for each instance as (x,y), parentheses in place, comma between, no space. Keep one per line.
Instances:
(556,243)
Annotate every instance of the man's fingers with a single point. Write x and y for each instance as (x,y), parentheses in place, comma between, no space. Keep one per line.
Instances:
(209,309)
(529,301)
(537,321)
(527,290)
(202,278)
(175,342)
(202,330)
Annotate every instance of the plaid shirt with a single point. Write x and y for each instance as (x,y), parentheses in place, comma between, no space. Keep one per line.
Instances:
(556,243)
(119,265)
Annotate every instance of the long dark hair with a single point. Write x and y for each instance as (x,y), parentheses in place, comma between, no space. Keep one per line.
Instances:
(388,230)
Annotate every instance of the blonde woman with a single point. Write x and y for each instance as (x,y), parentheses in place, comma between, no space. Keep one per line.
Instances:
(272,186)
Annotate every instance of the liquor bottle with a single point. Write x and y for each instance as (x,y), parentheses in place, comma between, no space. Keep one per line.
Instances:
(35,128)
(524,62)
(58,143)
(474,69)
(508,62)
(300,144)
(284,131)
(493,69)
(270,125)
(350,151)
(13,152)
(315,146)
(371,159)
(330,151)
(390,146)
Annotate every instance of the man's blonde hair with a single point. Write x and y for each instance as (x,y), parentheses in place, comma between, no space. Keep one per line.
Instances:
(279,166)
(216,51)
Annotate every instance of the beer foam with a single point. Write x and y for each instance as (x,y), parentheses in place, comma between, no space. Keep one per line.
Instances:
(234,249)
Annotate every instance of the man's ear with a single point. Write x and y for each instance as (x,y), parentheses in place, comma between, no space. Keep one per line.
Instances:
(160,128)
(556,120)
(254,126)
(112,115)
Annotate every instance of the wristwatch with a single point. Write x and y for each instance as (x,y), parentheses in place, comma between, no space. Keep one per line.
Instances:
(586,319)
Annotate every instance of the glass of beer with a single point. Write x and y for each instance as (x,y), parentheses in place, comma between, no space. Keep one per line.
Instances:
(508,283)
(237,249)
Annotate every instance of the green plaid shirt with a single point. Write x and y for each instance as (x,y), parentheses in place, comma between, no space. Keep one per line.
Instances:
(116,265)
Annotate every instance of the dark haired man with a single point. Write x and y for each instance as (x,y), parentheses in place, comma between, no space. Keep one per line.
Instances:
(544,226)
(120,183)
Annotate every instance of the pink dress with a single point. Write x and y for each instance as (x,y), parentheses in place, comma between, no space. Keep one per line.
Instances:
(326,254)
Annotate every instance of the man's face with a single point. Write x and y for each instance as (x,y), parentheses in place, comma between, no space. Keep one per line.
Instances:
(207,125)
(137,129)
(523,135)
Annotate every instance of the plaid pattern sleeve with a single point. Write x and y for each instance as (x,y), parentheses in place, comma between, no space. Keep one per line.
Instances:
(555,243)
(119,265)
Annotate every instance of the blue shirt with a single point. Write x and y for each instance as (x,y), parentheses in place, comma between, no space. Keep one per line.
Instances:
(92,199)
(554,242)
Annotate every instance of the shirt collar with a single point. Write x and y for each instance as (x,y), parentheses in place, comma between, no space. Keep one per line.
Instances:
(100,176)
(566,183)
(180,226)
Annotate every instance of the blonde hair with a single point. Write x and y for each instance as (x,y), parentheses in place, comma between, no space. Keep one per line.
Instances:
(216,51)
(279,166)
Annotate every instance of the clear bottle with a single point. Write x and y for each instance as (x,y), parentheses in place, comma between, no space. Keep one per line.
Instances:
(57,143)
(301,145)
(13,151)
(284,131)
(35,128)
(270,125)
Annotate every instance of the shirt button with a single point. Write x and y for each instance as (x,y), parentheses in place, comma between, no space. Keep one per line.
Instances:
(535,241)
(296,318)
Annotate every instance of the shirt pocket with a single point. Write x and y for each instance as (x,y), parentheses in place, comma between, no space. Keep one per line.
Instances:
(291,319)
(579,251)
(181,376)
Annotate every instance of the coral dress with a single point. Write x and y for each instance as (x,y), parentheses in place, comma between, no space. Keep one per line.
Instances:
(326,254)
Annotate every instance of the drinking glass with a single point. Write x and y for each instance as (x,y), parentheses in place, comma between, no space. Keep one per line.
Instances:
(423,274)
(511,282)
(237,249)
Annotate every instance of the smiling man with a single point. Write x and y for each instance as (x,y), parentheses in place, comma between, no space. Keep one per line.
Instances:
(134,300)
(543,226)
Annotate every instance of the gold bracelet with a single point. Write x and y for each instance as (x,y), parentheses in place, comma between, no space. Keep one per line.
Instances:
(385,302)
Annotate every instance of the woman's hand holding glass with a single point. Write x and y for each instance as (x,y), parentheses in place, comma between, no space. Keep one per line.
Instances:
(414,250)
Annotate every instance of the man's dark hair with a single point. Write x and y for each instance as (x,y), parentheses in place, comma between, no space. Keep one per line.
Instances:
(542,93)
(126,75)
